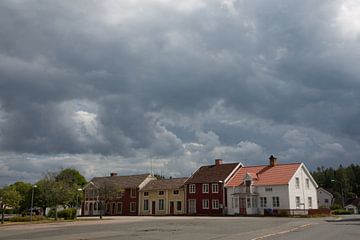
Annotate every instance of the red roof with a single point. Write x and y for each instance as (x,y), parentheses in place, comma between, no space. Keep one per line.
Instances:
(279,174)
(212,173)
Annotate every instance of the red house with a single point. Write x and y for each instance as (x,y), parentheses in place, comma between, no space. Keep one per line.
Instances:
(114,195)
(205,192)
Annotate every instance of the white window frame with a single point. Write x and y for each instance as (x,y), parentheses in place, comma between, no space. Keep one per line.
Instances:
(276,201)
(205,188)
(215,204)
(146,194)
(119,210)
(161,205)
(146,206)
(205,204)
(297,201)
(307,183)
(215,188)
(297,182)
(131,207)
(176,192)
(263,202)
(161,193)
(192,188)
(132,192)
(177,206)
(310,202)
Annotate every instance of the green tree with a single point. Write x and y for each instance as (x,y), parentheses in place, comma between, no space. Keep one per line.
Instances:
(24,189)
(9,198)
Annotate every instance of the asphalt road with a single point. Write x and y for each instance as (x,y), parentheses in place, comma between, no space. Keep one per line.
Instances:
(190,228)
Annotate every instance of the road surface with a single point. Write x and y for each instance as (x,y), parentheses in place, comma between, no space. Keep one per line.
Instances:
(190,228)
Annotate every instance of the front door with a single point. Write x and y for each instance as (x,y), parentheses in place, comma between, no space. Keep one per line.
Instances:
(91,209)
(113,209)
(192,206)
(242,205)
(171,208)
(153,205)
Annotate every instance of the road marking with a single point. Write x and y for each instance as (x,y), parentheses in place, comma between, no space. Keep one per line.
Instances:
(285,231)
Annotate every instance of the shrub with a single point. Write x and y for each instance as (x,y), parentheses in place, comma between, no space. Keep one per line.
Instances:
(27,218)
(69,213)
(340,212)
(283,213)
(335,206)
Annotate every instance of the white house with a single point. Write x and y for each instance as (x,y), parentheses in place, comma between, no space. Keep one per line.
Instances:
(325,198)
(273,188)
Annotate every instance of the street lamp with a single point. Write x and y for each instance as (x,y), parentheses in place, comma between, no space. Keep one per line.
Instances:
(77,201)
(32,201)
(342,191)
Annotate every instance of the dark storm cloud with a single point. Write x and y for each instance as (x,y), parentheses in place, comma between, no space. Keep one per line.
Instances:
(116,83)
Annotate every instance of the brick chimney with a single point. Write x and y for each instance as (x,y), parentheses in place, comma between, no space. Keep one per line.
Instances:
(113,174)
(218,162)
(272,161)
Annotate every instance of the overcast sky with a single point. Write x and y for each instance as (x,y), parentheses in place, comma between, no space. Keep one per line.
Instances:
(113,86)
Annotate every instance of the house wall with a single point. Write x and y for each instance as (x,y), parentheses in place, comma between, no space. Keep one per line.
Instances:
(199,196)
(303,192)
(168,197)
(322,197)
(280,191)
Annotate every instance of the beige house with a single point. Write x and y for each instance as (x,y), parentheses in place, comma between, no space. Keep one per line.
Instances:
(163,197)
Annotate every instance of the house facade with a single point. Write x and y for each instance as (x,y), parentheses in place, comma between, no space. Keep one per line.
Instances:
(272,188)
(163,197)
(114,195)
(204,190)
(325,198)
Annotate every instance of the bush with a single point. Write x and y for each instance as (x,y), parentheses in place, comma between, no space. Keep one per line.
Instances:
(335,206)
(340,212)
(69,213)
(51,213)
(27,218)
(283,213)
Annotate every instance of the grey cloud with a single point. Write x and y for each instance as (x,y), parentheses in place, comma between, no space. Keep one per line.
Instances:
(177,82)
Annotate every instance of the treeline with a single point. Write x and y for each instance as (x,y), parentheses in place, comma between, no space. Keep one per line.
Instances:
(342,179)
(54,189)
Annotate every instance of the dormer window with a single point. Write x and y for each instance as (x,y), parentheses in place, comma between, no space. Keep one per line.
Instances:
(248,186)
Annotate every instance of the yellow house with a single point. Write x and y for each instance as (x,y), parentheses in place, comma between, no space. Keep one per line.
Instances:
(163,197)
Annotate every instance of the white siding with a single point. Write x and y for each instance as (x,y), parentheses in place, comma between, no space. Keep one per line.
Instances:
(303,192)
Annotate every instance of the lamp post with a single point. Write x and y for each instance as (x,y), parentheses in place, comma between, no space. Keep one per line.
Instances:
(77,200)
(32,201)
(342,191)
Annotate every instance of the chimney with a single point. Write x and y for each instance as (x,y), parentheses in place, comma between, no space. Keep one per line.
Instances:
(113,174)
(218,162)
(272,160)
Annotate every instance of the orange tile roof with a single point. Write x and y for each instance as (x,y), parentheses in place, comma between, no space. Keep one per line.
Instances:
(264,175)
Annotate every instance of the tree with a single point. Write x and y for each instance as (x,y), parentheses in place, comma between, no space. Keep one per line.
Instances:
(24,189)
(9,198)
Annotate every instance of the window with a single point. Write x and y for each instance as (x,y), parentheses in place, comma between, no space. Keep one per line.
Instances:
(307,183)
(326,200)
(268,189)
(248,186)
(119,208)
(178,205)
(205,188)
(176,192)
(205,204)
(248,202)
(133,207)
(263,202)
(235,202)
(146,193)
(214,188)
(215,204)
(192,188)
(133,193)
(310,202)
(276,202)
(146,204)
(161,205)
(297,182)
(297,202)
(254,201)
(161,192)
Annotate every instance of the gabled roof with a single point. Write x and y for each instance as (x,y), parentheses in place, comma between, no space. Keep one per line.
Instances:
(263,175)
(131,181)
(355,202)
(320,189)
(212,173)
(164,184)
